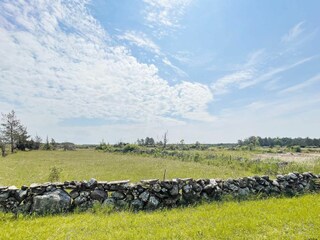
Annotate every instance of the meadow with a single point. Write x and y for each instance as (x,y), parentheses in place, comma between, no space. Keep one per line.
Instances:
(273,218)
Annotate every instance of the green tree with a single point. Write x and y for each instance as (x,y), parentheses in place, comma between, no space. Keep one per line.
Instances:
(12,130)
(47,145)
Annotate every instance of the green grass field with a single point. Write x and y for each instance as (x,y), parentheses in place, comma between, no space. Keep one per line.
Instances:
(275,218)
(29,167)
(293,218)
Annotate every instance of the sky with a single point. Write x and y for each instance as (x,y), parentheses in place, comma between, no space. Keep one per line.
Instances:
(202,70)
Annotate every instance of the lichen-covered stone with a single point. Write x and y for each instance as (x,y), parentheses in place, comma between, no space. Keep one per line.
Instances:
(51,202)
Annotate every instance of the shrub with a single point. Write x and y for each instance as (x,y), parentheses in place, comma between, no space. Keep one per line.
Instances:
(130,148)
(54,175)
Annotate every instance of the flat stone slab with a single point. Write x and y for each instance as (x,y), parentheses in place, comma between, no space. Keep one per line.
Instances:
(13,188)
(35,185)
(149,181)
(119,182)
(103,182)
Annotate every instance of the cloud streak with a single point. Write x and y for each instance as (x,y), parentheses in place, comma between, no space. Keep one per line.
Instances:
(293,33)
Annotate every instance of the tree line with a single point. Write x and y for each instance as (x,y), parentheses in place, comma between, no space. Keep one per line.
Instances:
(283,142)
(15,135)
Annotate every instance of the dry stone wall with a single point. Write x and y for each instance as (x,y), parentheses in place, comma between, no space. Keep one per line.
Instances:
(146,194)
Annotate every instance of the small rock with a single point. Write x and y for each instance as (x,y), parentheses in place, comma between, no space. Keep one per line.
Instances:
(92,183)
(118,195)
(98,195)
(137,204)
(152,203)
(4,196)
(74,194)
(174,191)
(109,202)
(144,196)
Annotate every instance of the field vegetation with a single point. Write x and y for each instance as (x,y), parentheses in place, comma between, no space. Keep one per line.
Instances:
(275,218)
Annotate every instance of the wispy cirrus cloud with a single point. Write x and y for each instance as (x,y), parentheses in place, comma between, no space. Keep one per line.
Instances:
(293,33)
(251,73)
(302,85)
(140,39)
(60,57)
(165,13)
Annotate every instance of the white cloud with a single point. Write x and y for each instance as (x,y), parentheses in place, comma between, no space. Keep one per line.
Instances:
(141,40)
(302,85)
(165,12)
(251,73)
(61,63)
(293,33)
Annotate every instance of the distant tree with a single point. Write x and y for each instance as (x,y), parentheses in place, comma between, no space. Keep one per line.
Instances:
(37,142)
(46,146)
(149,141)
(13,131)
(68,146)
(22,138)
(53,144)
(3,147)
(165,139)
(140,142)
(182,143)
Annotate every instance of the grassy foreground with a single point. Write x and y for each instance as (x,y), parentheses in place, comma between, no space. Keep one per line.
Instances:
(29,167)
(287,218)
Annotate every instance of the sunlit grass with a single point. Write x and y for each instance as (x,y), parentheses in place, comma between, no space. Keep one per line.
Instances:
(28,167)
(286,218)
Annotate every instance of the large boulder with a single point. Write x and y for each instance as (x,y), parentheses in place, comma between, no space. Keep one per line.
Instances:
(51,202)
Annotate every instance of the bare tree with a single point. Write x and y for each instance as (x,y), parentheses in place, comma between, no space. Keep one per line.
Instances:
(12,129)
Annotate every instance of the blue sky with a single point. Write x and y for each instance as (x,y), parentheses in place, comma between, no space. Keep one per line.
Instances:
(205,70)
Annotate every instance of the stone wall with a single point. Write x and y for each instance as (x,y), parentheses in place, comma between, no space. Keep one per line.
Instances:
(147,194)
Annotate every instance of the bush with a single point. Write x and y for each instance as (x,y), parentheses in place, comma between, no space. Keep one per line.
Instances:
(54,175)
(130,148)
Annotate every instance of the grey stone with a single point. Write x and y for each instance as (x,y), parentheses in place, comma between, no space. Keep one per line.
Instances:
(196,187)
(35,185)
(74,194)
(187,188)
(275,183)
(233,187)
(144,196)
(174,191)
(149,181)
(13,188)
(152,203)
(293,176)
(50,188)
(156,187)
(98,195)
(21,195)
(52,202)
(109,202)
(92,183)
(122,203)
(244,191)
(118,195)
(4,196)
(84,194)
(79,200)
(137,204)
